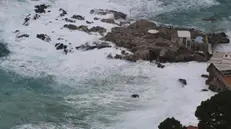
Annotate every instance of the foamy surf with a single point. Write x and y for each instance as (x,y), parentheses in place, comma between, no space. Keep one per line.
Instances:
(101,88)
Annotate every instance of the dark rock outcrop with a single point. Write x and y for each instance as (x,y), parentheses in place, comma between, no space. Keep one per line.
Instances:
(162,45)
(41,8)
(96,18)
(36,16)
(26,20)
(204,90)
(63,12)
(182,81)
(216,38)
(70,26)
(78,17)
(135,96)
(60,46)
(205,76)
(23,35)
(44,37)
(69,20)
(94,45)
(117,15)
(98,29)
(88,22)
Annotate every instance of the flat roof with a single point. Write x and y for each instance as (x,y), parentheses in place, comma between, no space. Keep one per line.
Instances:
(183,33)
(222,60)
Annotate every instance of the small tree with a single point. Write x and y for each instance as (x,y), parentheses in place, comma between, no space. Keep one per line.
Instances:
(215,113)
(171,123)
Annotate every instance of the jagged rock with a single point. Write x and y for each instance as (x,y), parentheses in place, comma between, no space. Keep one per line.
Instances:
(117,15)
(135,96)
(44,37)
(94,45)
(70,26)
(41,8)
(159,65)
(78,17)
(63,12)
(23,35)
(60,46)
(69,20)
(88,22)
(36,16)
(98,29)
(182,81)
(26,20)
(96,18)
(216,38)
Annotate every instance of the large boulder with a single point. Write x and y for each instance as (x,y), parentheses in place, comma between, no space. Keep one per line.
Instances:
(216,38)
(117,14)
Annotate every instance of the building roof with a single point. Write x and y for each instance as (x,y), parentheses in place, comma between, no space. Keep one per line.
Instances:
(222,60)
(184,34)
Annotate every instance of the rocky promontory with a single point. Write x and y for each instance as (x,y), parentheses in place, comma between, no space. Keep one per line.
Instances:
(148,41)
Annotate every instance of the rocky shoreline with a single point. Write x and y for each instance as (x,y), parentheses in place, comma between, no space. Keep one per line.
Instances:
(143,39)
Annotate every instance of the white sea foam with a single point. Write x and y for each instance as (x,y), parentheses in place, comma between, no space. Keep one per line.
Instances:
(161,95)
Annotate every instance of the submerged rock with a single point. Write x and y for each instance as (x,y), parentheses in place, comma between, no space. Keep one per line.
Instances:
(88,22)
(4,51)
(36,16)
(69,20)
(182,81)
(26,20)
(63,12)
(44,37)
(78,17)
(23,35)
(135,96)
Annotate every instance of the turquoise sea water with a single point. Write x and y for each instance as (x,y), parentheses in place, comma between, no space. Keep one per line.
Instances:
(41,102)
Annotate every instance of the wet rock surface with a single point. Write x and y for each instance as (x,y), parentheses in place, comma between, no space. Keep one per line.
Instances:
(63,12)
(95,45)
(182,81)
(135,96)
(78,17)
(41,8)
(117,14)
(44,37)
